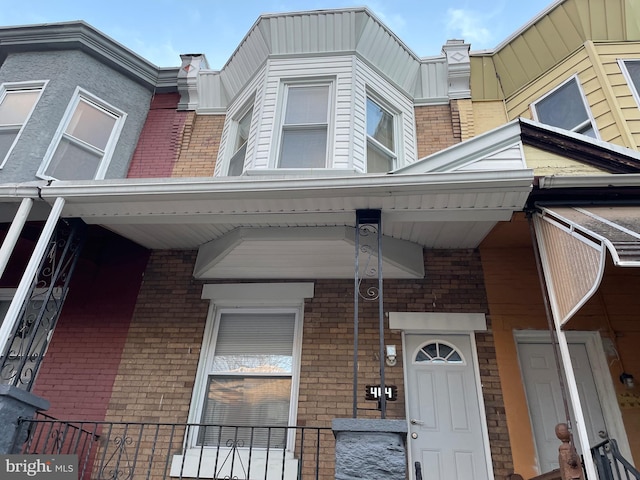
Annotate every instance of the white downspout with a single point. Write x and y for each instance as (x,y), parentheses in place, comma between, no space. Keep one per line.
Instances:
(14,233)
(29,273)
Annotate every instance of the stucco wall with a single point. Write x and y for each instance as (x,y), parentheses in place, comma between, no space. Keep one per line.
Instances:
(66,70)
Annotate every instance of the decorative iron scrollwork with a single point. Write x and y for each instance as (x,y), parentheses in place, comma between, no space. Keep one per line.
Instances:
(21,356)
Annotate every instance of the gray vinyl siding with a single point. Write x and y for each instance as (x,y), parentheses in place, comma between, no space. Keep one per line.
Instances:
(66,70)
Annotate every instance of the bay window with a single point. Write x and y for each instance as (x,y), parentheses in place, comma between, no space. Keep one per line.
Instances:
(16,104)
(236,163)
(381,147)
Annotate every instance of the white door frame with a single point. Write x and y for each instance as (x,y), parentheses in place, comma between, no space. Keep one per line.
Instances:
(431,323)
(601,376)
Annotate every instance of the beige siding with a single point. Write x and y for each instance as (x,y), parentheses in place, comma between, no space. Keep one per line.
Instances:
(608,54)
(552,38)
(546,163)
(595,91)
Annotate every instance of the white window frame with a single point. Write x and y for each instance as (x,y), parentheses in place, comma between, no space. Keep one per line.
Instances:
(238,297)
(20,86)
(235,131)
(580,127)
(82,95)
(622,62)
(395,114)
(249,297)
(286,85)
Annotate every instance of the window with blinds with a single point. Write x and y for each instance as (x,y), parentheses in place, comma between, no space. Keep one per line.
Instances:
(249,380)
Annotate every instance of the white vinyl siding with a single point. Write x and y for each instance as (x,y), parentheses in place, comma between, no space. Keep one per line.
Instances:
(351,79)
(17,101)
(84,143)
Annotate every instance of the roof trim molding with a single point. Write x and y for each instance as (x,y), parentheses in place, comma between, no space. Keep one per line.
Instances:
(82,36)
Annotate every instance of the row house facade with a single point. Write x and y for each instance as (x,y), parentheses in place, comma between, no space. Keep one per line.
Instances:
(330,258)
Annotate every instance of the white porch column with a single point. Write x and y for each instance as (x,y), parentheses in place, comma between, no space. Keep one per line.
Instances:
(576,406)
(14,233)
(30,272)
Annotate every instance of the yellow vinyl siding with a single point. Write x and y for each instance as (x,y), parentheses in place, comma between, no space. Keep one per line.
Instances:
(551,39)
(518,104)
(546,163)
(609,54)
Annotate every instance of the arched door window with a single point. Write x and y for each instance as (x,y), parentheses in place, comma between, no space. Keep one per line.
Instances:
(437,352)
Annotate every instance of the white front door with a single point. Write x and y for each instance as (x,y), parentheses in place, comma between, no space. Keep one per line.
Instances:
(445,423)
(544,397)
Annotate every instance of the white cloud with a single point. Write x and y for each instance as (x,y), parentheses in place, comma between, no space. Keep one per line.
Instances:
(469,26)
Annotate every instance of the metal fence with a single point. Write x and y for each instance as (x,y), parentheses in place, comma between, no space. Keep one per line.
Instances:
(132,450)
(610,463)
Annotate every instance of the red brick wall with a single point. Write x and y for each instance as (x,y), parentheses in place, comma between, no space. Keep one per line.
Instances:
(78,372)
(159,143)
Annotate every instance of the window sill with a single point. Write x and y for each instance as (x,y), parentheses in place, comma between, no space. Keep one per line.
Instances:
(300,172)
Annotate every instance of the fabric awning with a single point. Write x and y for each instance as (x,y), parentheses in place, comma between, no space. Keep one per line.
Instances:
(573,241)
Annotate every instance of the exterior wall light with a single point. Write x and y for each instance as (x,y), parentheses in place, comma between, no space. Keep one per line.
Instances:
(391,355)
(627,380)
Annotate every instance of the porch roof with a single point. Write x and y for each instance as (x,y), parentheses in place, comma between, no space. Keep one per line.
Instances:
(234,221)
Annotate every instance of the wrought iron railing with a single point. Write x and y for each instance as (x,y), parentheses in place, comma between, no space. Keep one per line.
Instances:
(610,463)
(131,451)
(21,356)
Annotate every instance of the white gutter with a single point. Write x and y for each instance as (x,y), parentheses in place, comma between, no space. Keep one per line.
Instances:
(288,188)
(590,181)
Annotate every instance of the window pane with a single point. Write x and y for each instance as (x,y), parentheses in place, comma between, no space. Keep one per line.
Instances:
(70,162)
(236,164)
(16,106)
(307,105)
(564,108)
(306,148)
(255,343)
(6,140)
(91,125)
(377,161)
(250,401)
(380,124)
(634,72)
(243,129)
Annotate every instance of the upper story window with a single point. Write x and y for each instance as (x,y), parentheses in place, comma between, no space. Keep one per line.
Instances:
(631,71)
(16,104)
(566,107)
(381,143)
(305,126)
(236,163)
(84,143)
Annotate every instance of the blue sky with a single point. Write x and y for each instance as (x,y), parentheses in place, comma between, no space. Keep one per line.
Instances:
(160,30)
